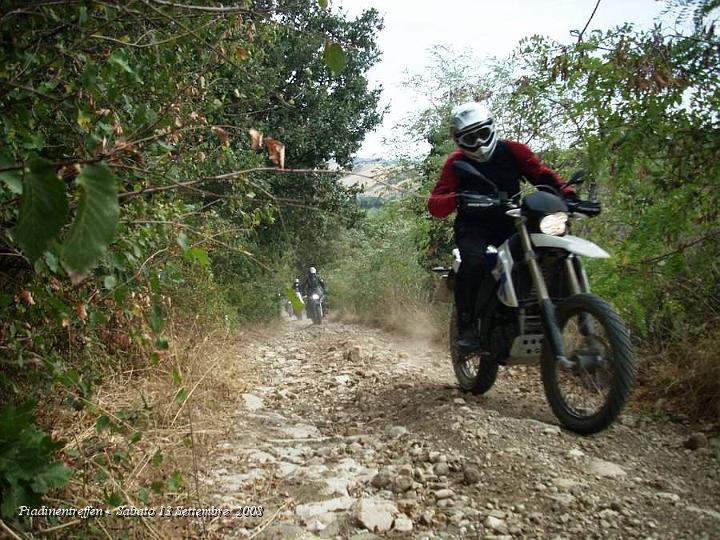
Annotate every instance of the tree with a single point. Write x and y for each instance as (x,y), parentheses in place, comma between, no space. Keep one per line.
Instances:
(130,191)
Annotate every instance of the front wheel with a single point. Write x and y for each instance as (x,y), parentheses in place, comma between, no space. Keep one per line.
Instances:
(317,314)
(474,373)
(588,393)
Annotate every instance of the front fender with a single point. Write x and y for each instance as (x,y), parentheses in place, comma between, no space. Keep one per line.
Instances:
(573,244)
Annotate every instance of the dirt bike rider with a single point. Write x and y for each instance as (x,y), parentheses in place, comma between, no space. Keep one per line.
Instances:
(503,162)
(313,281)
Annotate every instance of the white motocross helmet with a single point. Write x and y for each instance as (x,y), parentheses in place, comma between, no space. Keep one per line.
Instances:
(313,270)
(473,129)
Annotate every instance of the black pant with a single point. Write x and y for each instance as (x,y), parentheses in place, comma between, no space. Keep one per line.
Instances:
(472,241)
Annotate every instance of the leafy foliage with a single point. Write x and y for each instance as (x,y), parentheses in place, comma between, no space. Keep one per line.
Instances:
(335,57)
(43,209)
(378,276)
(130,193)
(641,106)
(636,110)
(28,468)
(96,219)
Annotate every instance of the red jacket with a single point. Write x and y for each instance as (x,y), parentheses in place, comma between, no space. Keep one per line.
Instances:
(442,199)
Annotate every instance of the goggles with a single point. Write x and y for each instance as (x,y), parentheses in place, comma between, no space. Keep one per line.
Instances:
(476,136)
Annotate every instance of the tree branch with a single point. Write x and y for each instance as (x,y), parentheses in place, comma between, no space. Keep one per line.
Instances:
(211,9)
(192,32)
(237,174)
(32,90)
(138,45)
(35,5)
(682,247)
(580,36)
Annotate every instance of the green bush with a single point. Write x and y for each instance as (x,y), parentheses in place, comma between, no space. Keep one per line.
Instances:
(378,275)
(28,467)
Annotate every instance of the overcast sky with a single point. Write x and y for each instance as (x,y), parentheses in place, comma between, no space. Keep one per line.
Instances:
(483,27)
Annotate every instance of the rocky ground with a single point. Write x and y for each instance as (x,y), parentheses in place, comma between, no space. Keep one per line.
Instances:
(354,433)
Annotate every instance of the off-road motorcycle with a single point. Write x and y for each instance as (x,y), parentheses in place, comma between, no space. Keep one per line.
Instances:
(314,305)
(535,306)
(288,307)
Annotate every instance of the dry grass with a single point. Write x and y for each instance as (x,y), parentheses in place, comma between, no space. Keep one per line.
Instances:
(687,376)
(214,371)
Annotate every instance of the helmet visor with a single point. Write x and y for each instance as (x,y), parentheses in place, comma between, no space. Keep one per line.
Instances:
(475,137)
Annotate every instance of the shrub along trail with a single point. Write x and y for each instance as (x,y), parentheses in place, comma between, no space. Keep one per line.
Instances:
(355,433)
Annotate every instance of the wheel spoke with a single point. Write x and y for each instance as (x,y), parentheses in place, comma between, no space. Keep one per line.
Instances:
(586,386)
(474,372)
(588,395)
(471,364)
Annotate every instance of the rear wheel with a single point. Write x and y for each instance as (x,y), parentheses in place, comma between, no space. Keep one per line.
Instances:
(589,392)
(474,373)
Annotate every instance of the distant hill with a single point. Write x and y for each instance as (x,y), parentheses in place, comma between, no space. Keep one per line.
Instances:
(361,162)
(379,179)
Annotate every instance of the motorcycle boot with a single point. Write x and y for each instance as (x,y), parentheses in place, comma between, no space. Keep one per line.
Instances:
(468,337)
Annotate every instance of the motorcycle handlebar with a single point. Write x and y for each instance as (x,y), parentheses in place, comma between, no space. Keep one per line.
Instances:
(589,208)
(469,201)
(478,201)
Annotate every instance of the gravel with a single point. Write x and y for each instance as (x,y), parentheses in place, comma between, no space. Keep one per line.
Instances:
(356,433)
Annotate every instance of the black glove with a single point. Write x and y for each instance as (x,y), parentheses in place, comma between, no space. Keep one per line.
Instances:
(473,203)
(571,197)
(589,208)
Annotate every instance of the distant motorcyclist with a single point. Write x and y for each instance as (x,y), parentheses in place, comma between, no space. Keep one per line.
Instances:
(313,281)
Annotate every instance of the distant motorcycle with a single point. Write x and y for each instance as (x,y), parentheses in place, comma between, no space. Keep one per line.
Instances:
(314,305)
(288,308)
(537,307)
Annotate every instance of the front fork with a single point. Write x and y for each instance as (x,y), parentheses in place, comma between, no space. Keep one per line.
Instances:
(578,281)
(547,309)
(576,275)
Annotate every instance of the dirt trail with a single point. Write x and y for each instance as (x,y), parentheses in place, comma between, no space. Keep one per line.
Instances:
(352,433)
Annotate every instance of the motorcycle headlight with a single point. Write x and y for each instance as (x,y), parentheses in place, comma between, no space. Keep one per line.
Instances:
(554,224)
(316,297)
